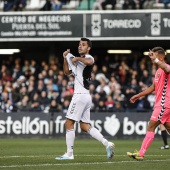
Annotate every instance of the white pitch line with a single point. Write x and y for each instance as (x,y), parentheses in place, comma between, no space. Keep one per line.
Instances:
(75,164)
(33,156)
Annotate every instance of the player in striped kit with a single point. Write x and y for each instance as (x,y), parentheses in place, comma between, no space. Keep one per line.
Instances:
(161,112)
(79,109)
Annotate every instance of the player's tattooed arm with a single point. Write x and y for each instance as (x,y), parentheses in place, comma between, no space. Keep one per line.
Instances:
(164,67)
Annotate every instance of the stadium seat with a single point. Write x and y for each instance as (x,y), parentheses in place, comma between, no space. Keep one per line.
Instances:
(33,4)
(84,4)
(119,4)
(1,5)
(158,5)
(73,4)
(42,3)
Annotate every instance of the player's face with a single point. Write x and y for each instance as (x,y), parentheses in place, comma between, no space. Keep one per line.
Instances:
(83,48)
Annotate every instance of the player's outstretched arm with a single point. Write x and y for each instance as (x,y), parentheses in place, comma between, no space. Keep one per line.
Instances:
(143,93)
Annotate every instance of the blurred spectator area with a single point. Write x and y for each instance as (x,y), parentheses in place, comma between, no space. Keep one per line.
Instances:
(160,5)
(88,5)
(36,5)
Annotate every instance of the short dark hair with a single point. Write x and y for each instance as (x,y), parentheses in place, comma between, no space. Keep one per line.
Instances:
(159,50)
(88,41)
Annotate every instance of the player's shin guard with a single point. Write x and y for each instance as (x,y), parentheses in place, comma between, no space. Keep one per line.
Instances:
(146,143)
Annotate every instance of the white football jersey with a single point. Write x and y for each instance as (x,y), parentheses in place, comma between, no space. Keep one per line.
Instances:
(82,74)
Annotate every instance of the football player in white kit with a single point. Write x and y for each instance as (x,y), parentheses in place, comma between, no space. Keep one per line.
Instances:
(79,109)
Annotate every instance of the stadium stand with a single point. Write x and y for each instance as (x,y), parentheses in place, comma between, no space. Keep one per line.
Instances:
(36,5)
(40,83)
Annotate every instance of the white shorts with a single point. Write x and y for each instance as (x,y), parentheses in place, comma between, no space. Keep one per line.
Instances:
(79,108)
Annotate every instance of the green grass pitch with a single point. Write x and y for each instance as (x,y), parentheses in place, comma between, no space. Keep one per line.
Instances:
(39,154)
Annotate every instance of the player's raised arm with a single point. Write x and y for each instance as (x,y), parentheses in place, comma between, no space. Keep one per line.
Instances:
(158,57)
(65,64)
